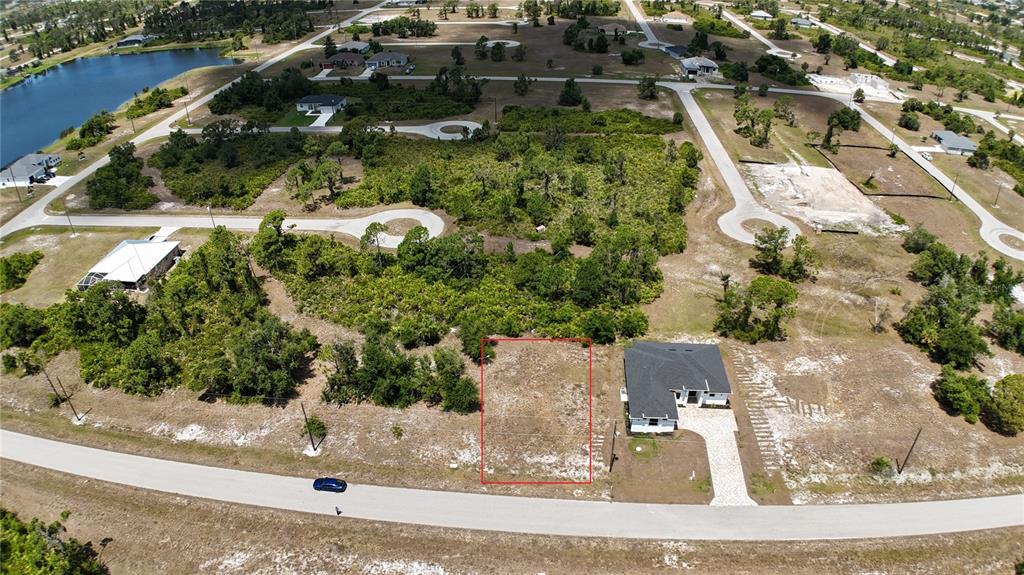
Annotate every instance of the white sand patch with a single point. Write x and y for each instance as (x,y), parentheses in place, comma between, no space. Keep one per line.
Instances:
(231,562)
(822,197)
(806,366)
(403,567)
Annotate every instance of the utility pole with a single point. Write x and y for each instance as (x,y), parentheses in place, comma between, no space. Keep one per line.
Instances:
(68,215)
(15,182)
(65,397)
(308,430)
(903,465)
(132,120)
(209,210)
(998,191)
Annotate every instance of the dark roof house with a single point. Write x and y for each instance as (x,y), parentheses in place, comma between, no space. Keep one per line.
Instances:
(661,378)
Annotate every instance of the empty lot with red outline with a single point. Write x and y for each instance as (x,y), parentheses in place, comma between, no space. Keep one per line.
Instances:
(536,414)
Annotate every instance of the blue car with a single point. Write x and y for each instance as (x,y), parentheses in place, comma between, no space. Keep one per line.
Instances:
(329,484)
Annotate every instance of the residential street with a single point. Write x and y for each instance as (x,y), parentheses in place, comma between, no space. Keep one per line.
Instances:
(521,514)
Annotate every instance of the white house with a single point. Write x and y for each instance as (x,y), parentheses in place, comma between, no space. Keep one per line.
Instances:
(321,104)
(698,66)
(387,60)
(132,264)
(354,46)
(29,169)
(663,379)
(761,15)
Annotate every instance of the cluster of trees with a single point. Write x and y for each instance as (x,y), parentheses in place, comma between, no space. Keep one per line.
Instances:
(942,323)
(700,44)
(403,27)
(36,547)
(228,165)
(276,20)
(950,118)
(576,121)
(476,10)
(205,326)
(758,311)
(92,131)
(1009,156)
(839,120)
(715,25)
(120,184)
(430,286)
(578,187)
(496,53)
(1001,408)
(752,122)
(454,84)
(632,56)
(252,90)
(64,26)
(262,102)
(154,100)
(778,69)
(581,36)
(14,269)
(386,376)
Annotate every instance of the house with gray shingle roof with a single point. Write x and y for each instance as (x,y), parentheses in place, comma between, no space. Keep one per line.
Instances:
(662,379)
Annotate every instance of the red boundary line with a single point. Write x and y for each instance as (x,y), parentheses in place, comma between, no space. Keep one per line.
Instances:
(590,408)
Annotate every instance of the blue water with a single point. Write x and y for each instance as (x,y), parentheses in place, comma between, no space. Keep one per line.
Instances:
(33,113)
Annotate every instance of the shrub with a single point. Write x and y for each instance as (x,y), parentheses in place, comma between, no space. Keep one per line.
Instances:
(918,239)
(965,395)
(1006,408)
(15,268)
(881,466)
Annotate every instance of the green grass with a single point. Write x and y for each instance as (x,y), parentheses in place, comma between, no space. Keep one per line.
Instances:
(295,118)
(701,484)
(761,485)
(648,447)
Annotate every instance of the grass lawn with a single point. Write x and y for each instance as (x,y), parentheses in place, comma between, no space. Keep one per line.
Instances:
(295,118)
(65,258)
(643,447)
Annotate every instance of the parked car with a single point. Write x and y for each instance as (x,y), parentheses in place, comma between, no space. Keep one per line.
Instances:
(927,156)
(410,68)
(330,484)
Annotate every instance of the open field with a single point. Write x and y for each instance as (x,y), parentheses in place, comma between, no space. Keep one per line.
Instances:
(985,186)
(230,539)
(66,258)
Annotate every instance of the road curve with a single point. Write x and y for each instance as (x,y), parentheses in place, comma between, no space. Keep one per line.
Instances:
(354,227)
(521,514)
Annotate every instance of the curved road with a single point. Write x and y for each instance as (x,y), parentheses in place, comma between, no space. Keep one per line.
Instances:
(521,514)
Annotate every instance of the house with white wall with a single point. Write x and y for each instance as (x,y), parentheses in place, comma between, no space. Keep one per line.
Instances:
(665,379)
(321,104)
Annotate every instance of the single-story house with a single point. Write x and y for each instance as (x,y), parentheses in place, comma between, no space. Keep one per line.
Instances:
(613,29)
(321,104)
(954,143)
(664,378)
(354,46)
(29,169)
(698,66)
(802,23)
(135,40)
(344,60)
(761,15)
(133,263)
(387,60)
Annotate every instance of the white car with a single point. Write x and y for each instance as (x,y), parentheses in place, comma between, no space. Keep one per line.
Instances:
(927,156)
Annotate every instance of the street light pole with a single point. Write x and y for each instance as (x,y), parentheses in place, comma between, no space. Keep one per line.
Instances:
(68,215)
(209,210)
(998,191)
(15,182)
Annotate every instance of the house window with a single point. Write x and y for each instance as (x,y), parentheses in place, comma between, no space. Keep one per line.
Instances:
(652,421)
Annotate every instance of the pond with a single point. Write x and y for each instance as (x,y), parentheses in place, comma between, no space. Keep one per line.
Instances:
(33,113)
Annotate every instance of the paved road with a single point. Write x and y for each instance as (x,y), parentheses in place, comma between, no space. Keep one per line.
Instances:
(746,208)
(433,130)
(521,514)
(351,226)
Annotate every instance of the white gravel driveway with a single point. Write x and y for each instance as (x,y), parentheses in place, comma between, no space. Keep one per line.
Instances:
(718,428)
